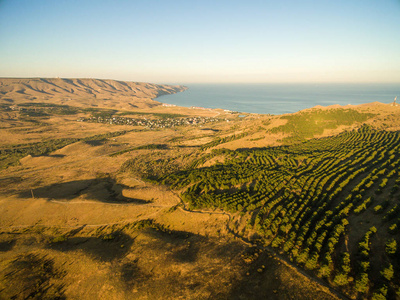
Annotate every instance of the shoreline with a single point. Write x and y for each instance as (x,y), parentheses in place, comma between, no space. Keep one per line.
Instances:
(277,99)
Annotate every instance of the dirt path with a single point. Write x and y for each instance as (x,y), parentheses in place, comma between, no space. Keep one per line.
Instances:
(281,258)
(85,225)
(110,204)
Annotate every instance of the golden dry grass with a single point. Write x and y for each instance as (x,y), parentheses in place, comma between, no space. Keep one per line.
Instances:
(80,193)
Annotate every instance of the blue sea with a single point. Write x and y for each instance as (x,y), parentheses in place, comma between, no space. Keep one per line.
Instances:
(280,98)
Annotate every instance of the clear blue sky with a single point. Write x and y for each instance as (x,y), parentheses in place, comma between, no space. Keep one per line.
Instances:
(174,41)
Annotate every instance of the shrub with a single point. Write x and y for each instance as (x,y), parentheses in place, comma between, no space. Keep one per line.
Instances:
(324,271)
(362,283)
(378,209)
(388,272)
(380,294)
(59,239)
(391,246)
(341,279)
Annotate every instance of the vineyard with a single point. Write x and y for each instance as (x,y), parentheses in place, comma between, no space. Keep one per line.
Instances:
(330,205)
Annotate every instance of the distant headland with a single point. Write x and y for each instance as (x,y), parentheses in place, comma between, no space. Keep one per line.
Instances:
(84,92)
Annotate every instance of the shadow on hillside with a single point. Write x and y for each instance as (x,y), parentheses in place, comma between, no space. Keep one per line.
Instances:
(100,189)
(7,245)
(103,248)
(132,275)
(32,276)
(266,277)
(210,129)
(161,257)
(95,142)
(54,155)
(182,246)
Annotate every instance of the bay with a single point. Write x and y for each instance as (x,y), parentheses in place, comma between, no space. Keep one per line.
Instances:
(280,98)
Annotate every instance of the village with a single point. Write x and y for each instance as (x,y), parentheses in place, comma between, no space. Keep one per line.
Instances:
(152,123)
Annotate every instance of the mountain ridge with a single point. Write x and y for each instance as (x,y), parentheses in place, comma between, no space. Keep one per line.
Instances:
(84,92)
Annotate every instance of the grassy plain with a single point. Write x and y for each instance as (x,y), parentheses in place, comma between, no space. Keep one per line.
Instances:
(88,210)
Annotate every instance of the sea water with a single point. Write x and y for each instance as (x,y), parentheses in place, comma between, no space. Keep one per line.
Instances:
(280,98)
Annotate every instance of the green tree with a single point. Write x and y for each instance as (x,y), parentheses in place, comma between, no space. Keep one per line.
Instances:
(312,262)
(341,279)
(380,294)
(388,272)
(391,246)
(324,271)
(346,263)
(362,283)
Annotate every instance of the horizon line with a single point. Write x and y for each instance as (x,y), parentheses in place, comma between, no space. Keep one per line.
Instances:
(209,82)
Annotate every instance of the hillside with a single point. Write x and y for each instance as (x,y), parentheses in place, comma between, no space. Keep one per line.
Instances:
(83,92)
(329,205)
(159,202)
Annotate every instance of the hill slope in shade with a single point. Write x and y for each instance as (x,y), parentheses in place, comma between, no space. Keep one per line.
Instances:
(84,92)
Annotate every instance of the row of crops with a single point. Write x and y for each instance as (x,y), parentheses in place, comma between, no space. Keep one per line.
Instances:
(331,205)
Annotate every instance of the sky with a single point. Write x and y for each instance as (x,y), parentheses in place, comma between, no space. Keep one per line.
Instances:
(187,41)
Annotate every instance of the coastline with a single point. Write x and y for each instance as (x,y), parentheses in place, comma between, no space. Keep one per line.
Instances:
(279,99)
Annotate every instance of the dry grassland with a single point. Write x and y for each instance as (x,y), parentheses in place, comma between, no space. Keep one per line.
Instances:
(75,225)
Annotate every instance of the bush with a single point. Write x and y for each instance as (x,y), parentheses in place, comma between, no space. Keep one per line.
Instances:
(378,209)
(362,283)
(388,272)
(59,239)
(391,246)
(380,294)
(108,237)
(341,279)
(324,271)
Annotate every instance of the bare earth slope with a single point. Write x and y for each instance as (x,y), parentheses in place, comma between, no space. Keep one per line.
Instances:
(83,92)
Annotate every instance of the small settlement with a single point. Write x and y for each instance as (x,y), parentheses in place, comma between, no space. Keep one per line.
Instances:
(152,123)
